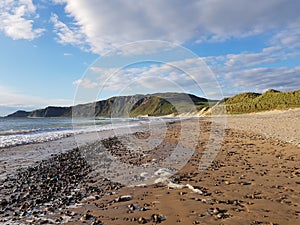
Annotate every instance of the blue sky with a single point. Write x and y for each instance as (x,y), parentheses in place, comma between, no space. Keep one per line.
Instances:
(55,51)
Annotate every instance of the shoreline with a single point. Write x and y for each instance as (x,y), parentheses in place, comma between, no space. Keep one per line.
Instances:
(254,179)
(27,154)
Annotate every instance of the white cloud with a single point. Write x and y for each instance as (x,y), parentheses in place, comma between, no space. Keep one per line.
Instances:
(142,47)
(86,83)
(109,24)
(65,34)
(16,19)
(277,52)
(68,54)
(13,99)
(271,49)
(289,37)
(58,1)
(248,59)
(257,71)
(282,78)
(189,75)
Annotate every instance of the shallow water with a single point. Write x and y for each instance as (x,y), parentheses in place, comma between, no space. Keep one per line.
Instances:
(25,141)
(20,131)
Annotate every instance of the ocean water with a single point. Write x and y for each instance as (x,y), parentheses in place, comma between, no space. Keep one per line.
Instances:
(20,131)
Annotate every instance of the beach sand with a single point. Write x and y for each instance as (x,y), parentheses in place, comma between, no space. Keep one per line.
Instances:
(254,177)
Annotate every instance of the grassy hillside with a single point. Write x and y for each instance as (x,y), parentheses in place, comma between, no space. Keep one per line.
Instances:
(184,103)
(158,104)
(152,106)
(270,100)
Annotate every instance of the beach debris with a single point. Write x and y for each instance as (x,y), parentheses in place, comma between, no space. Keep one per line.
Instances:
(193,189)
(172,185)
(124,198)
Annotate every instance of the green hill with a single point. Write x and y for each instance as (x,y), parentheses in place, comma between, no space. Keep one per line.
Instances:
(152,106)
(158,104)
(254,102)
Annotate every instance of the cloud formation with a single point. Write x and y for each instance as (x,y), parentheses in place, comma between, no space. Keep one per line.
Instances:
(11,98)
(109,24)
(16,19)
(260,79)
(67,35)
(233,73)
(189,75)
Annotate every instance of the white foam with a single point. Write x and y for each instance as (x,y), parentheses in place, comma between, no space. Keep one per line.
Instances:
(181,186)
(162,172)
(39,136)
(172,185)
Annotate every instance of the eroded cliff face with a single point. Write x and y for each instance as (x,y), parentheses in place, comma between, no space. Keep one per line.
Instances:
(51,111)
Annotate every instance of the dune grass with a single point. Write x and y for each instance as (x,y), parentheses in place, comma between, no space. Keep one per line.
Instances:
(255,102)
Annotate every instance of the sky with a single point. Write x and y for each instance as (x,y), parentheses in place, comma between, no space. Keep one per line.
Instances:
(62,52)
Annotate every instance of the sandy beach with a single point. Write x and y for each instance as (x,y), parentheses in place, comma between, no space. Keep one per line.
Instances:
(254,177)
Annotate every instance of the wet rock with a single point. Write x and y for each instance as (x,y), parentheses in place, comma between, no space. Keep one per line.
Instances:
(3,202)
(49,185)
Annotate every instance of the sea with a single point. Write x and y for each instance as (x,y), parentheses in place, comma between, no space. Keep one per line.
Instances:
(21,131)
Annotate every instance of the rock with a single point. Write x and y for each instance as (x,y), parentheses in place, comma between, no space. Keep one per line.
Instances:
(133,207)
(216,211)
(3,202)
(97,222)
(87,216)
(142,220)
(124,198)
(51,184)
(156,218)
(220,215)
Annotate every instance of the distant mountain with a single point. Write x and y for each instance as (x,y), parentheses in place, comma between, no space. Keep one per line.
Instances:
(158,104)
(52,111)
(255,102)
(19,113)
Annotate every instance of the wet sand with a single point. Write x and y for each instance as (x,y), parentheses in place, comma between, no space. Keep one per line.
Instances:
(254,178)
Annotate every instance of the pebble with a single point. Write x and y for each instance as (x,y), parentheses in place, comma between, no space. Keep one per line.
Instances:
(156,218)
(142,220)
(49,185)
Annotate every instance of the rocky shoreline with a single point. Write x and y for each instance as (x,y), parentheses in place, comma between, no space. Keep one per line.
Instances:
(253,180)
(54,184)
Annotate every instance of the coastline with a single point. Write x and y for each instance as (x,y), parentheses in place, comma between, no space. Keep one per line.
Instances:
(253,180)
